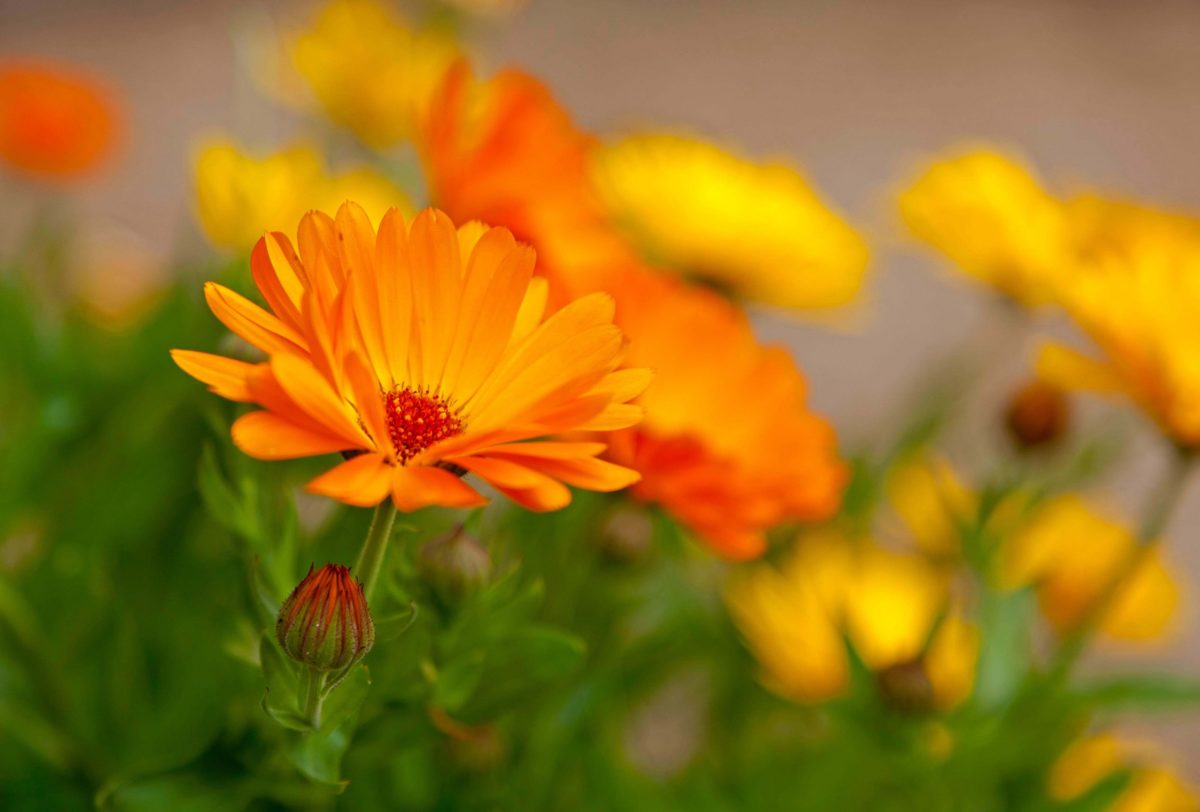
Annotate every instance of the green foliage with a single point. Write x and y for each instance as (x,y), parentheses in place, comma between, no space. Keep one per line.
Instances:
(143,561)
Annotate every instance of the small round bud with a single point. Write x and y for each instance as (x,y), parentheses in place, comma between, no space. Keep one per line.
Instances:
(325,623)
(626,535)
(906,687)
(455,563)
(1038,415)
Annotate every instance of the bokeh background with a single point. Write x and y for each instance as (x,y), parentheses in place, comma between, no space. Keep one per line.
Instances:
(1096,94)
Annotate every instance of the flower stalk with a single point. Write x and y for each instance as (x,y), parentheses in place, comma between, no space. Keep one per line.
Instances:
(374,550)
(1159,510)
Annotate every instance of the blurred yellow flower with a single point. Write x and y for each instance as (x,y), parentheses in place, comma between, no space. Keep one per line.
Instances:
(370,71)
(1135,292)
(1066,549)
(756,230)
(988,214)
(885,604)
(932,502)
(239,196)
(1091,759)
(1071,552)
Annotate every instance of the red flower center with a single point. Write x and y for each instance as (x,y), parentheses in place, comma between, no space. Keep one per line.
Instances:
(416,420)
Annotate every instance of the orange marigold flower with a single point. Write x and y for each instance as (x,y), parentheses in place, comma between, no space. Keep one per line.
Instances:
(728,444)
(421,352)
(55,122)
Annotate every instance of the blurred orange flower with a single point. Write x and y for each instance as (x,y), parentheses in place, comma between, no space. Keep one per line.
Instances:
(505,152)
(56,122)
(728,444)
(421,352)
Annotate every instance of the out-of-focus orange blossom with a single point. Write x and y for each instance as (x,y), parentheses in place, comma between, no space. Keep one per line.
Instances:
(728,445)
(56,122)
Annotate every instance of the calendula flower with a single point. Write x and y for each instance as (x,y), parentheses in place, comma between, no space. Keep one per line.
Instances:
(1066,549)
(989,215)
(240,195)
(757,230)
(505,152)
(887,605)
(369,70)
(1135,292)
(1071,552)
(56,122)
(421,352)
(1091,759)
(728,445)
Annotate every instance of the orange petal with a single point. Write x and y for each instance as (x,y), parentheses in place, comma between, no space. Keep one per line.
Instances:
(436,273)
(363,481)
(497,275)
(251,322)
(224,376)
(566,356)
(368,401)
(548,450)
(524,486)
(582,472)
(391,295)
(268,436)
(314,395)
(263,270)
(415,487)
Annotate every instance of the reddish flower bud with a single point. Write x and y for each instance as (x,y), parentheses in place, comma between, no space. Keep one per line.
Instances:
(325,623)
(1038,415)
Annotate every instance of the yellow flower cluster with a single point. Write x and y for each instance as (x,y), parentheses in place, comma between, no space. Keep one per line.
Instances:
(756,230)
(994,220)
(893,608)
(1067,550)
(239,196)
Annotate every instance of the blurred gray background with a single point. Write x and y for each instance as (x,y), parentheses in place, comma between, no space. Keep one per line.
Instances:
(1102,94)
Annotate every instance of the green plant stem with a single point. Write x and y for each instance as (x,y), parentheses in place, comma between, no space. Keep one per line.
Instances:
(1161,506)
(314,696)
(374,550)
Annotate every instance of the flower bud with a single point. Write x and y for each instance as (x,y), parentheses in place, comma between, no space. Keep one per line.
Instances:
(325,623)
(455,563)
(906,687)
(1038,415)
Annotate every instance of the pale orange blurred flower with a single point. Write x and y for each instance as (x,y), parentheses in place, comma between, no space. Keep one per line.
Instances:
(56,122)
(504,151)
(728,445)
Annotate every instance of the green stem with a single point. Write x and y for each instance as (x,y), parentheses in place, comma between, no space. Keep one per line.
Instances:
(314,696)
(374,549)
(1161,506)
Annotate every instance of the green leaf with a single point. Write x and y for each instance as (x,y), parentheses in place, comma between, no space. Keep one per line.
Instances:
(1150,692)
(319,756)
(346,697)
(282,683)
(393,625)
(458,680)
(1006,619)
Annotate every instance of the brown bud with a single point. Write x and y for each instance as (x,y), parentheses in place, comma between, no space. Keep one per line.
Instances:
(906,687)
(325,623)
(455,563)
(1039,414)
